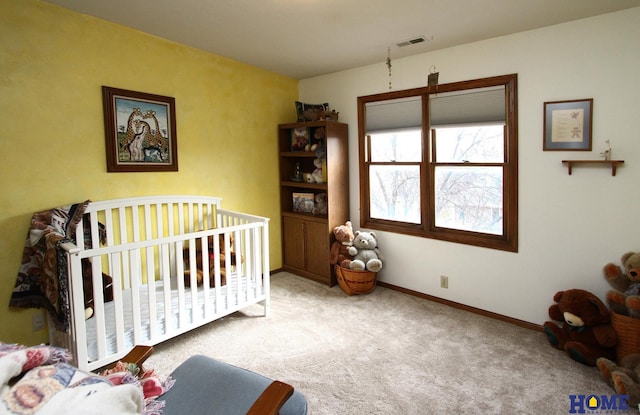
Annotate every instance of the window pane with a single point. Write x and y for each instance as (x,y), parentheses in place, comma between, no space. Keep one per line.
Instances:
(476,144)
(469,198)
(404,145)
(395,193)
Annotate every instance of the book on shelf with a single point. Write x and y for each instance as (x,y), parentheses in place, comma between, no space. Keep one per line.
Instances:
(303,202)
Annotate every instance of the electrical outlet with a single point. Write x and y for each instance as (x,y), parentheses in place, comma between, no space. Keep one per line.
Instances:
(444,281)
(37,322)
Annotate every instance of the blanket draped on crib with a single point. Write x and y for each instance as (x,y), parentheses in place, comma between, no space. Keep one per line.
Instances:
(42,280)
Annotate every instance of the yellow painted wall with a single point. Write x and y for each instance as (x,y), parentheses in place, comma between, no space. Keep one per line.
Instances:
(53,63)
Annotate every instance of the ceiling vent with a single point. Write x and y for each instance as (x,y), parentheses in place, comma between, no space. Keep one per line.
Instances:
(419,39)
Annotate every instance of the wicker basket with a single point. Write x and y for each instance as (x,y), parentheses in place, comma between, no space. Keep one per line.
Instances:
(628,331)
(354,281)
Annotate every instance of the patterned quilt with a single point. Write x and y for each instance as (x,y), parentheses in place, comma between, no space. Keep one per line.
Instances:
(42,277)
(40,380)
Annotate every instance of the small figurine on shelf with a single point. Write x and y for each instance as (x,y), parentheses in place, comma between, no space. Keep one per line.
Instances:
(297,174)
(607,153)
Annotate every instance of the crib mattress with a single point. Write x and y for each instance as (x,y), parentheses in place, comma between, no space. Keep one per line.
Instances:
(229,298)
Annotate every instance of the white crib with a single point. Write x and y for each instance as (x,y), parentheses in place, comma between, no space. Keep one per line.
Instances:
(143,253)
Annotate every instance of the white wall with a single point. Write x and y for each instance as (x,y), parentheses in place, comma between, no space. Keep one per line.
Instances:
(569,226)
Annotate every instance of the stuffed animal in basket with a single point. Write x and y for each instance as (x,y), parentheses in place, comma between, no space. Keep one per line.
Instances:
(213,257)
(623,378)
(365,252)
(339,253)
(586,332)
(624,298)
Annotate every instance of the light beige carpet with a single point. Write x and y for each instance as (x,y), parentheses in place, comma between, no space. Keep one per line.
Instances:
(389,353)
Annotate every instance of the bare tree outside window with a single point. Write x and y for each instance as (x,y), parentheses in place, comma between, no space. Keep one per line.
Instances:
(469,196)
(395,175)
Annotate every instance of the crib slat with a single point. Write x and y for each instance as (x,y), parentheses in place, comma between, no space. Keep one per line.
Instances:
(159,221)
(206,284)
(170,221)
(249,268)
(255,263)
(108,224)
(124,238)
(95,230)
(216,275)
(193,289)
(170,227)
(98,303)
(200,217)
(189,225)
(148,230)
(265,271)
(195,306)
(151,292)
(166,289)
(116,274)
(134,262)
(182,319)
(206,215)
(238,279)
(241,268)
(135,223)
(78,331)
(181,228)
(150,272)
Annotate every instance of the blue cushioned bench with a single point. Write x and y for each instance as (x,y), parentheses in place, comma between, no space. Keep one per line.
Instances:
(207,386)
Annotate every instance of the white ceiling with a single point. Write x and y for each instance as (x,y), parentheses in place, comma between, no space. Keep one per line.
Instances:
(306,38)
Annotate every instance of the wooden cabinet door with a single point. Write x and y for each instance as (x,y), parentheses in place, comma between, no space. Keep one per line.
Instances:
(293,245)
(317,248)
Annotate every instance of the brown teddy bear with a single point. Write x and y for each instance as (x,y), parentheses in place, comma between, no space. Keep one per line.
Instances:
(221,258)
(339,253)
(87,284)
(623,378)
(624,298)
(587,332)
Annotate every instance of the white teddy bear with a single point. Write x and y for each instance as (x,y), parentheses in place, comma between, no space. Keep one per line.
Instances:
(316,175)
(365,252)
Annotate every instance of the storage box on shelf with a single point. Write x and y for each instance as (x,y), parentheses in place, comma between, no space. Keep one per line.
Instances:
(306,236)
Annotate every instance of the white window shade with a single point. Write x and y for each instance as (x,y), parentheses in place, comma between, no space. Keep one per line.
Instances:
(477,106)
(394,114)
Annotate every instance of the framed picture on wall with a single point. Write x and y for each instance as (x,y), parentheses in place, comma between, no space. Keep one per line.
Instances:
(140,131)
(567,125)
